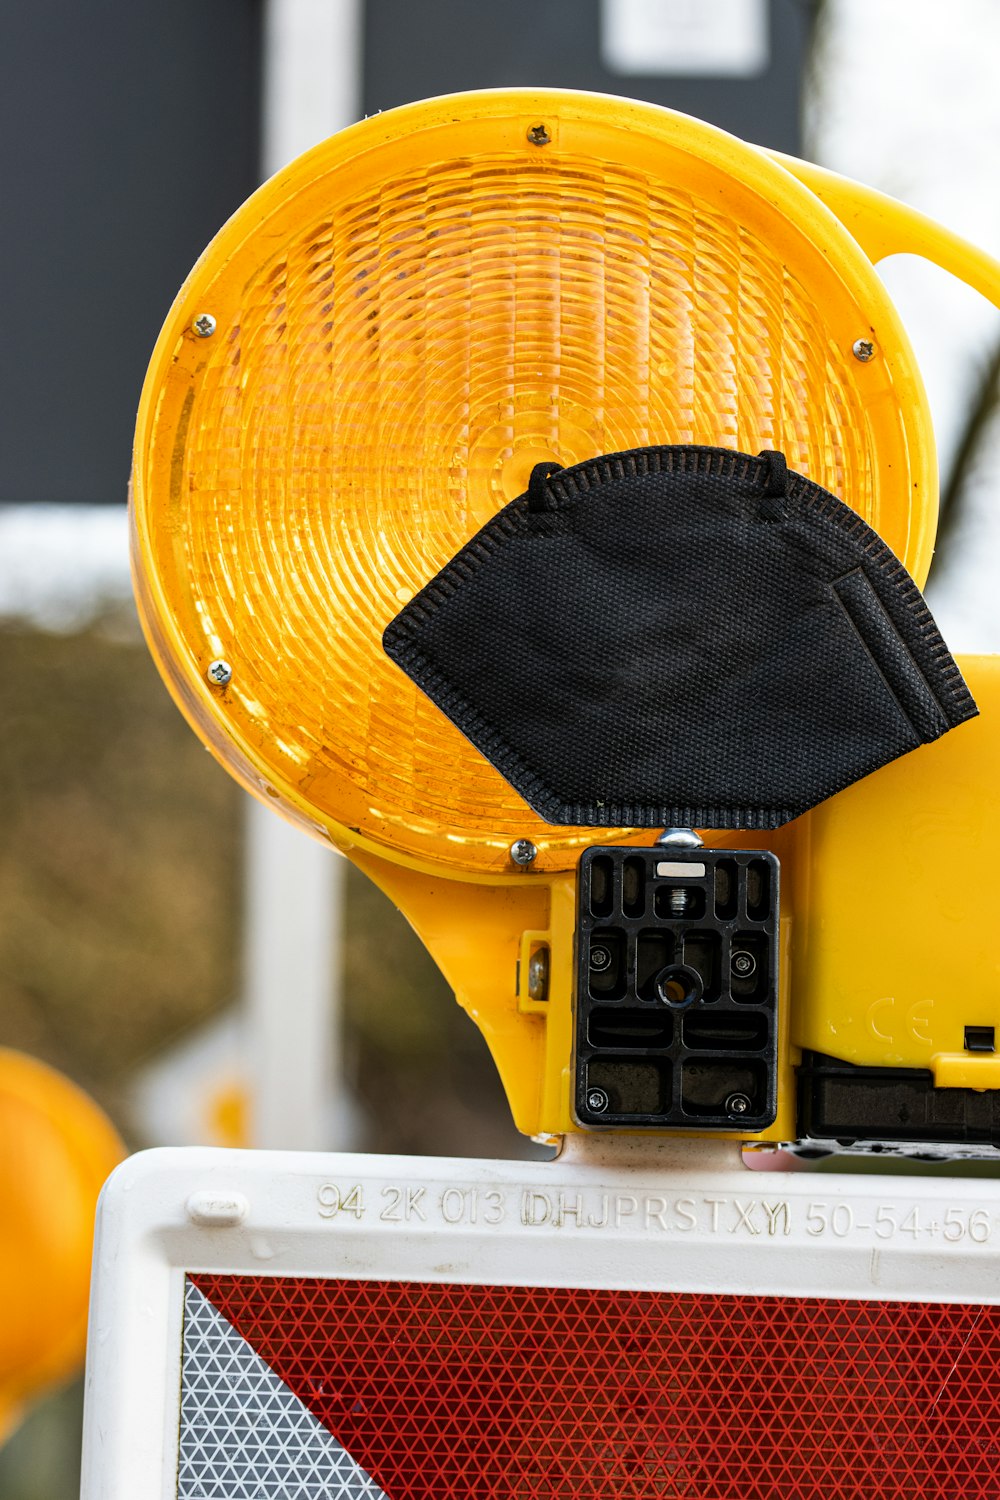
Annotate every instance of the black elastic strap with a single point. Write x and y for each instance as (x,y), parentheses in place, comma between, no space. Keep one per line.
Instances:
(539,494)
(775,485)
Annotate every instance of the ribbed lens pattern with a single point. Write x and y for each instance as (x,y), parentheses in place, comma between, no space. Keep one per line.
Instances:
(394,371)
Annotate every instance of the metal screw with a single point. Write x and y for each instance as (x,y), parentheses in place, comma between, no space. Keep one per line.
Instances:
(744,964)
(738,1104)
(523,852)
(600,958)
(538,135)
(219,672)
(203,325)
(863,349)
(678,901)
(538,975)
(679,838)
(597,1101)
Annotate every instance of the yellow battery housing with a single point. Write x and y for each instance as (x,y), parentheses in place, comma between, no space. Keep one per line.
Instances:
(894,951)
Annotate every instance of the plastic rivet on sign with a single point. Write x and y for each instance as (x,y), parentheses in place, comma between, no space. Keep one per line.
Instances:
(217,1210)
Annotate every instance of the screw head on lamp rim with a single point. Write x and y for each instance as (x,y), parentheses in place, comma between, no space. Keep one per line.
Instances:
(364,407)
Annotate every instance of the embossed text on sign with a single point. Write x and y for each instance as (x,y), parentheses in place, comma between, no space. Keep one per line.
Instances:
(646,1211)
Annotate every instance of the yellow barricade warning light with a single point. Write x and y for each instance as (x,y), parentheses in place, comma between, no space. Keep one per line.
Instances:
(365,366)
(57,1150)
(403,323)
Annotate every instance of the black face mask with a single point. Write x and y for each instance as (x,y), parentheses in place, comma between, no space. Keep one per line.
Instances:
(680,635)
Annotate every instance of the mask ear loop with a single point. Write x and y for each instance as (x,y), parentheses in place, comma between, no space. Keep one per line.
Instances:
(539,495)
(775,485)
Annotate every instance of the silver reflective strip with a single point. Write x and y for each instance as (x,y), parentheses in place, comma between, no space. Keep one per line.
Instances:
(244,1435)
(680,869)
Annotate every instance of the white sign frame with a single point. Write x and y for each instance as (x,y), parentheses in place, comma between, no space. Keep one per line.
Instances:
(604,1222)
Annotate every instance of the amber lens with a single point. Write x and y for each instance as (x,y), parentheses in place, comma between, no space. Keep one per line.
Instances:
(406,322)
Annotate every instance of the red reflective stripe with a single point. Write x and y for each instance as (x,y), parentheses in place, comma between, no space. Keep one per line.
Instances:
(467,1392)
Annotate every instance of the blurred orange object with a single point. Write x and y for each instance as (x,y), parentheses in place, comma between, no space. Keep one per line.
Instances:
(56,1149)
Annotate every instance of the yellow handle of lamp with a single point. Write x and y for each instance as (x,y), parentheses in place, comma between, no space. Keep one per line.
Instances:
(883,226)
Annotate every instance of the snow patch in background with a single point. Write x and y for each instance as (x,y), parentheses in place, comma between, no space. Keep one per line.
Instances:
(63,566)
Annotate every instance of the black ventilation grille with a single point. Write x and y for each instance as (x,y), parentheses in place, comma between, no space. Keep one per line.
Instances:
(676,988)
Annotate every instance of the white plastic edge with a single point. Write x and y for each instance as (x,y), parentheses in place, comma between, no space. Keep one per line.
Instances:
(632,1217)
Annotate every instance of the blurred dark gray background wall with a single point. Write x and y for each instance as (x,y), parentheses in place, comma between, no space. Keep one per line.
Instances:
(417,48)
(130,130)
(128,133)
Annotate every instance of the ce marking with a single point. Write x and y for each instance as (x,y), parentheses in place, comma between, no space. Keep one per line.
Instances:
(885,1013)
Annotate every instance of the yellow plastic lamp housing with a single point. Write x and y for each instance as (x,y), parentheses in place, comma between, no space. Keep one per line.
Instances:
(366,364)
(402,324)
(56,1150)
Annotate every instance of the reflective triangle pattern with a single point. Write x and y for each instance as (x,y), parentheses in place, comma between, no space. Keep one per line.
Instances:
(460,1391)
(243,1434)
